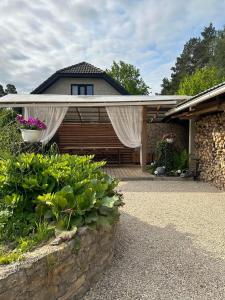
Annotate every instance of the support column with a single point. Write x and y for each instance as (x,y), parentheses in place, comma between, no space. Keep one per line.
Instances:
(144,136)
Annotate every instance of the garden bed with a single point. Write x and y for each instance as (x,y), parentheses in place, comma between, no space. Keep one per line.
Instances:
(64,271)
(57,218)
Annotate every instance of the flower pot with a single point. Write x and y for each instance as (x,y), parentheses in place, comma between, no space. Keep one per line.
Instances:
(31,136)
(169,140)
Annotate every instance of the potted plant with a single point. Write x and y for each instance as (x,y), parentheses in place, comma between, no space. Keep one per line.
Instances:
(169,137)
(31,129)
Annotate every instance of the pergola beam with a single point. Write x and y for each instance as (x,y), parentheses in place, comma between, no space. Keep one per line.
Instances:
(25,100)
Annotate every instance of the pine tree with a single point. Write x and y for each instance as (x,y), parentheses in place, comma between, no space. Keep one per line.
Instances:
(197,53)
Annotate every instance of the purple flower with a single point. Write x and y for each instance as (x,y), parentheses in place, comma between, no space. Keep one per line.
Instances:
(20,119)
(31,123)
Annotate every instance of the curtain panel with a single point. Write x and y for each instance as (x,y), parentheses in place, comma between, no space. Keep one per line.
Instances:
(127,123)
(51,115)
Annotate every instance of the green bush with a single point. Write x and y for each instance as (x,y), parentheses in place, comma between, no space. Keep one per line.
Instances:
(170,157)
(165,154)
(181,160)
(10,136)
(62,191)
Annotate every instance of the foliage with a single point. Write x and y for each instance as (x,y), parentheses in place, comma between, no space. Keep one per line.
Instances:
(201,80)
(24,244)
(2,92)
(198,53)
(129,77)
(181,160)
(10,136)
(62,191)
(10,89)
(170,157)
(165,154)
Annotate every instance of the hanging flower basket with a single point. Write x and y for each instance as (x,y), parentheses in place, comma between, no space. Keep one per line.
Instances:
(31,129)
(169,138)
(31,136)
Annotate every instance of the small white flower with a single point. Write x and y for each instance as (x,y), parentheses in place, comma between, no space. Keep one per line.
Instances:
(164,167)
(178,171)
(156,172)
(152,163)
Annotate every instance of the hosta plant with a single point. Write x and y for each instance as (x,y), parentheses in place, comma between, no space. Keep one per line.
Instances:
(62,191)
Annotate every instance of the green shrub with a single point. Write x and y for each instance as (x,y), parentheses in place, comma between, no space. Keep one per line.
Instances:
(62,191)
(165,154)
(181,160)
(169,156)
(10,136)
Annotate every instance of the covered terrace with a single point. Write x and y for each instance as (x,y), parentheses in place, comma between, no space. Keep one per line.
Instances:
(96,124)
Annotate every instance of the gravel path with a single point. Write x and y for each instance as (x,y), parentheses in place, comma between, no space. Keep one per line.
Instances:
(170,244)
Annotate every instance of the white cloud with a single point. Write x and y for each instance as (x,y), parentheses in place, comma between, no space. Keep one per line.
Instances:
(39,37)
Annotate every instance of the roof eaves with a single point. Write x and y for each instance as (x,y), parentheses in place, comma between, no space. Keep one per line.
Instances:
(199,98)
(53,78)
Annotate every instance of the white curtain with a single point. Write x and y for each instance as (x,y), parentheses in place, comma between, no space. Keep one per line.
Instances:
(52,117)
(127,123)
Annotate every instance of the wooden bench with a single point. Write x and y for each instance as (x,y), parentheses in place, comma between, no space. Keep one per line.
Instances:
(95,149)
(93,138)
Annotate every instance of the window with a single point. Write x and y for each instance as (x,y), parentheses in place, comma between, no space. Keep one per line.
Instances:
(82,89)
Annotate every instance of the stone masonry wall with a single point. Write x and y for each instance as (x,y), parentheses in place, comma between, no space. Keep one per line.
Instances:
(58,272)
(157,130)
(210,148)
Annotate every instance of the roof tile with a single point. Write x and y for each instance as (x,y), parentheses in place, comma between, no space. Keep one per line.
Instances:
(81,68)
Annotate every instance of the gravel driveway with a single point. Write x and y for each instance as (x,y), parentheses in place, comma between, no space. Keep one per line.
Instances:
(170,244)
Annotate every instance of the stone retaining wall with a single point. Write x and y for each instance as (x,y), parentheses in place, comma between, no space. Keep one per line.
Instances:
(59,272)
(210,148)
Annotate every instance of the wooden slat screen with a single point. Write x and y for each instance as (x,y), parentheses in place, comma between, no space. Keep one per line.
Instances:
(92,135)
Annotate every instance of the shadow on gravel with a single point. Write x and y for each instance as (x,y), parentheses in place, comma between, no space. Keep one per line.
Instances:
(167,187)
(159,263)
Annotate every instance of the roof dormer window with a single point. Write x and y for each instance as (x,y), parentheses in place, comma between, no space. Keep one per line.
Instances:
(82,89)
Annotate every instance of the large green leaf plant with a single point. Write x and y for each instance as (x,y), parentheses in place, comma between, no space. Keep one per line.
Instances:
(63,191)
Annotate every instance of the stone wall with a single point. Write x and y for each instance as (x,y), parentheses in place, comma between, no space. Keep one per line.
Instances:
(58,272)
(210,148)
(157,130)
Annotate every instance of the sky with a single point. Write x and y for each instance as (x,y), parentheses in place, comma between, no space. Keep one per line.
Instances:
(39,37)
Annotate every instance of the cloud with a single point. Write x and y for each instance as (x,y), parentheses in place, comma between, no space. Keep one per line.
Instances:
(39,37)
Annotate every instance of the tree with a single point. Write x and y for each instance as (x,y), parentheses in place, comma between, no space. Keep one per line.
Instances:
(219,57)
(2,92)
(201,80)
(129,77)
(197,53)
(167,88)
(10,89)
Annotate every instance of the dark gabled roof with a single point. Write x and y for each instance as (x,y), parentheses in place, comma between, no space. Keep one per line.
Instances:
(81,70)
(83,67)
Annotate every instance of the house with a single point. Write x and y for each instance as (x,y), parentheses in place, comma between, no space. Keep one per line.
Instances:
(88,130)
(206,115)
